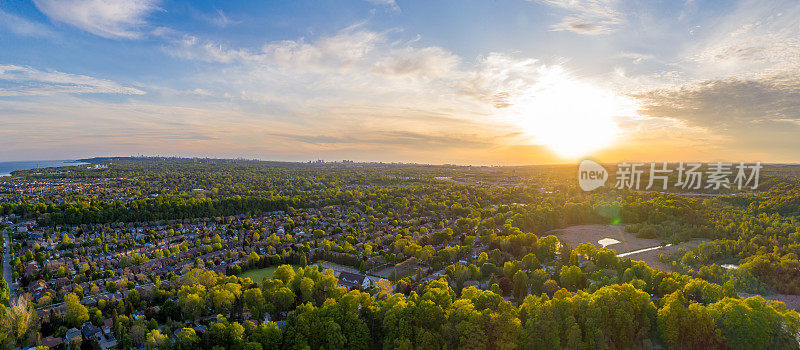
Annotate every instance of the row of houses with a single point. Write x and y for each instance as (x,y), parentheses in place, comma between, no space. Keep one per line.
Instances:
(94,337)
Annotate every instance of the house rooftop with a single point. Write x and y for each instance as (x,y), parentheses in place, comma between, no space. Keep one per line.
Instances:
(351,279)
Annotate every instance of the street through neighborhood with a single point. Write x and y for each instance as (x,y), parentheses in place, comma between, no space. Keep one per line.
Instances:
(7,272)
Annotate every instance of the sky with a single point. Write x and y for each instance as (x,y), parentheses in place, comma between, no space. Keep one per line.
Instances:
(494,82)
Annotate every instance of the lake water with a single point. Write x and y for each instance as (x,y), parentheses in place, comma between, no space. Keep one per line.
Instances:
(7,167)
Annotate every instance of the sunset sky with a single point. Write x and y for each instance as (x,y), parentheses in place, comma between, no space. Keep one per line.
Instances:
(466,82)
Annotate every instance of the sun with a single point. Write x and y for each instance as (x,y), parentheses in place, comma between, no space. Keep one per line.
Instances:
(572,118)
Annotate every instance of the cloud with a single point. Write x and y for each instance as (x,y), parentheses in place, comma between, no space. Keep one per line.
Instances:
(728,103)
(75,126)
(355,94)
(218,18)
(755,39)
(589,17)
(221,20)
(637,58)
(393,138)
(367,63)
(24,27)
(359,68)
(500,77)
(330,52)
(339,51)
(748,116)
(192,48)
(391,4)
(348,65)
(26,81)
(114,19)
(429,62)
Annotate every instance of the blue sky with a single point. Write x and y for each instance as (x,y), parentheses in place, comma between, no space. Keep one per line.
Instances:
(472,82)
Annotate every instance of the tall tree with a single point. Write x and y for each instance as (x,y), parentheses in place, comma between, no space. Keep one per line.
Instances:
(76,313)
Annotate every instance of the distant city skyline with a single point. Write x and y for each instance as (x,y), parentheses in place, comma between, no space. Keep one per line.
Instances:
(461,82)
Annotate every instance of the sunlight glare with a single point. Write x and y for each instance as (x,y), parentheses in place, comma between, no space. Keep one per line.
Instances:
(570,117)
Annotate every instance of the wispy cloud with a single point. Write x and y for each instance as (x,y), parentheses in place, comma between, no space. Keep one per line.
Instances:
(367,93)
(26,81)
(728,103)
(218,18)
(755,39)
(359,67)
(391,4)
(589,17)
(430,62)
(329,52)
(759,116)
(25,27)
(358,94)
(115,19)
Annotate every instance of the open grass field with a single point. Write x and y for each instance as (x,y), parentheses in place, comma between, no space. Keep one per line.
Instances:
(259,274)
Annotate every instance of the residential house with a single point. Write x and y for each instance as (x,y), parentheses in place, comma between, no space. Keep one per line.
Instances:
(352,280)
(72,337)
(53,342)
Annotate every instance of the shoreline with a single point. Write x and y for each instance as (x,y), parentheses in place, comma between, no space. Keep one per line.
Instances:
(8,168)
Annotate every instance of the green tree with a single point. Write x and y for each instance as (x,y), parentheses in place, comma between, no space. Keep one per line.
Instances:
(253,258)
(156,340)
(283,299)
(464,329)
(235,335)
(687,327)
(192,306)
(254,300)
(550,287)
(284,273)
(16,320)
(187,339)
(307,289)
(268,335)
(754,323)
(520,283)
(572,277)
(75,314)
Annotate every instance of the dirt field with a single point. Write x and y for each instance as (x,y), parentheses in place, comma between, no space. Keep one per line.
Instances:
(403,269)
(384,273)
(575,235)
(650,257)
(628,242)
(336,267)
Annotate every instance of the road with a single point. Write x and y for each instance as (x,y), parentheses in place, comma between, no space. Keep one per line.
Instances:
(7,273)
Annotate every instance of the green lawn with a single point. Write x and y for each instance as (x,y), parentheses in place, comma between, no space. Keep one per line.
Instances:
(259,274)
